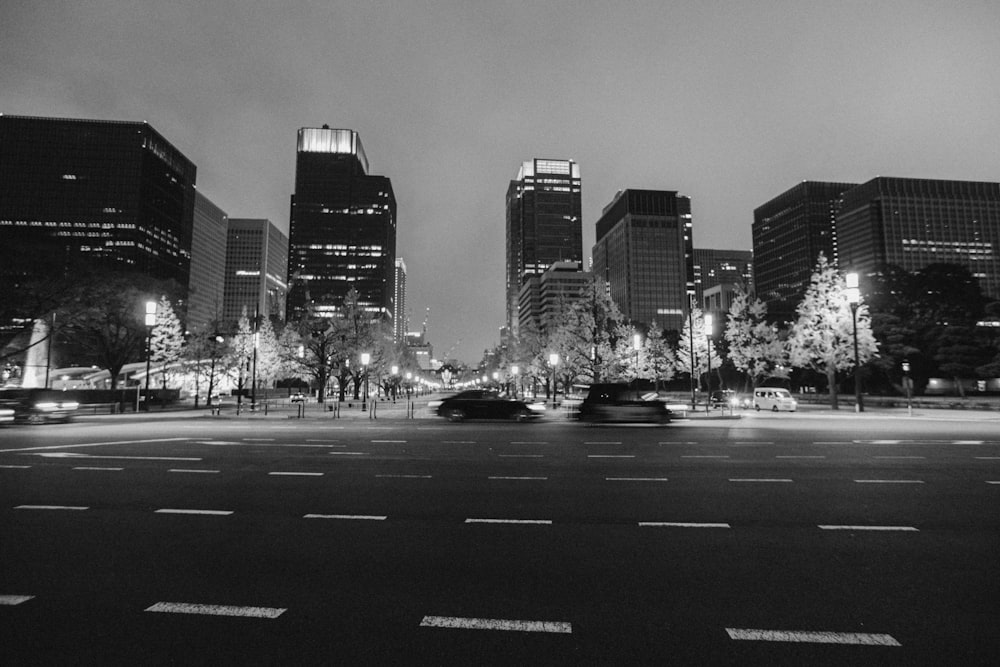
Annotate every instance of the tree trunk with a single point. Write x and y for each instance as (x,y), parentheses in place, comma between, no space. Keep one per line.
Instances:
(831,381)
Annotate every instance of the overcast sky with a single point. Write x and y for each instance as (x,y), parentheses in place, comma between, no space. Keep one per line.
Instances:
(730,103)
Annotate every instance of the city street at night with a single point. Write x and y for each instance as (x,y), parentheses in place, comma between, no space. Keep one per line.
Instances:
(809,538)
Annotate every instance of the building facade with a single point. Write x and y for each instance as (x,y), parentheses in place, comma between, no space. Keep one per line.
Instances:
(543,296)
(399,319)
(255,270)
(342,230)
(789,233)
(721,267)
(544,224)
(911,223)
(208,265)
(644,251)
(114,194)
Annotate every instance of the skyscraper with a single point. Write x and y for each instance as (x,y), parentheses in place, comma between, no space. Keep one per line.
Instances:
(399,322)
(544,224)
(789,233)
(911,223)
(342,231)
(713,267)
(208,264)
(644,252)
(256,265)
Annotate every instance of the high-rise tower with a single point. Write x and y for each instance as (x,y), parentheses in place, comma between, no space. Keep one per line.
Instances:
(544,223)
(342,229)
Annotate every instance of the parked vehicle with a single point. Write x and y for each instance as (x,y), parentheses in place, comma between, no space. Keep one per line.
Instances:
(484,404)
(37,406)
(774,399)
(618,402)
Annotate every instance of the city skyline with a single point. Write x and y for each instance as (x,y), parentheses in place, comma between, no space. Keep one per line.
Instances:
(730,104)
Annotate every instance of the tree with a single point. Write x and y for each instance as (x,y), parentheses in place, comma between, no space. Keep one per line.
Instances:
(683,362)
(167,339)
(241,354)
(822,338)
(268,354)
(755,346)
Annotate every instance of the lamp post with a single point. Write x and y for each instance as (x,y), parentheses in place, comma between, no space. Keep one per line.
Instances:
(253,382)
(691,343)
(514,370)
(409,386)
(365,359)
(636,345)
(554,361)
(150,323)
(395,372)
(854,298)
(908,386)
(709,322)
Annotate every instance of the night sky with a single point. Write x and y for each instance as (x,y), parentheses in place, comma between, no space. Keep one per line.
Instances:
(730,103)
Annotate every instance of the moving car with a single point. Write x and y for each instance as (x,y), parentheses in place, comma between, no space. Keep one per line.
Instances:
(485,404)
(37,406)
(618,402)
(727,398)
(774,399)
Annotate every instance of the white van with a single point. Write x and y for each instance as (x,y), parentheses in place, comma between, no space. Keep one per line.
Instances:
(774,399)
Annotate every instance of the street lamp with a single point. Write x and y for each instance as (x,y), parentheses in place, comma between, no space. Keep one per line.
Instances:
(908,385)
(709,322)
(395,372)
(554,361)
(150,323)
(365,359)
(691,343)
(514,370)
(854,298)
(637,345)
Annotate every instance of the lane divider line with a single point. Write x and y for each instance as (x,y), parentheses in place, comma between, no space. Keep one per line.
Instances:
(909,529)
(15,467)
(405,476)
(92,444)
(459,623)
(635,479)
(764,480)
(811,637)
(97,468)
(801,456)
(215,610)
(195,470)
(889,481)
(296,474)
(704,456)
(348,517)
(51,507)
(610,456)
(11,600)
(170,510)
(537,522)
(348,453)
(900,457)
(521,456)
(518,478)
(388,441)
(682,524)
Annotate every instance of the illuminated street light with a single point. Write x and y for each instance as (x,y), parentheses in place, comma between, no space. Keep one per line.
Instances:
(150,323)
(554,361)
(854,298)
(709,324)
(365,359)
(637,345)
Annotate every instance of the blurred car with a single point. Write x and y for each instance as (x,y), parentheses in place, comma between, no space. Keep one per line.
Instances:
(485,404)
(727,398)
(619,402)
(6,414)
(774,399)
(297,397)
(38,406)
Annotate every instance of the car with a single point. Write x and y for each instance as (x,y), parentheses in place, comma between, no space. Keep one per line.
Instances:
(727,398)
(618,402)
(774,399)
(486,404)
(38,406)
(297,397)
(6,414)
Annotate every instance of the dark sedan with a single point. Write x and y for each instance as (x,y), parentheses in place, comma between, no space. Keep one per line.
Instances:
(621,403)
(484,404)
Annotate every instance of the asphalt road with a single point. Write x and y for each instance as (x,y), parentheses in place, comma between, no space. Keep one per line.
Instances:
(779,539)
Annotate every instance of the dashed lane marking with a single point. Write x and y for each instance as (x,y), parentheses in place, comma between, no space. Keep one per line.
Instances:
(15,467)
(388,441)
(907,529)
(215,610)
(605,442)
(169,510)
(536,522)
(194,470)
(348,453)
(987,458)
(704,456)
(97,468)
(405,476)
(458,442)
(455,622)
(346,517)
(991,481)
(76,456)
(610,456)
(11,600)
(295,474)
(682,524)
(900,457)
(521,456)
(812,637)
(889,481)
(91,444)
(677,442)
(763,480)
(51,507)
(529,442)
(516,478)
(258,439)
(635,479)
(801,456)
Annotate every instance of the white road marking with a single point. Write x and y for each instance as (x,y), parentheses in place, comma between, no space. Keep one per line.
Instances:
(495,624)
(801,456)
(15,467)
(503,477)
(968,442)
(538,522)
(348,453)
(197,470)
(50,507)
(529,442)
(74,455)
(889,481)
(96,468)
(11,600)
(388,441)
(754,442)
(635,479)
(990,481)
(169,510)
(320,440)
(812,637)
(987,458)
(609,442)
(91,444)
(677,442)
(458,442)
(832,442)
(880,528)
(405,476)
(297,474)
(900,457)
(879,442)
(704,456)
(760,479)
(610,456)
(350,517)
(258,439)
(215,610)
(521,456)
(682,524)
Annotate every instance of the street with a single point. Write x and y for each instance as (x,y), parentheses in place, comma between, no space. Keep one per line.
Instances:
(819,539)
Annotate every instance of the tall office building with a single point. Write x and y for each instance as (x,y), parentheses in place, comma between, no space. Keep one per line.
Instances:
(256,266)
(911,223)
(342,232)
(544,224)
(644,251)
(542,296)
(208,264)
(92,192)
(399,323)
(714,268)
(789,233)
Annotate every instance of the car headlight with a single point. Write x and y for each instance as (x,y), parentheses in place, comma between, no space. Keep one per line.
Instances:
(434,404)
(536,407)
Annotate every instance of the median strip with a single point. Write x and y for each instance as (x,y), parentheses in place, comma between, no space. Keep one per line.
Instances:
(810,637)
(215,610)
(455,622)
